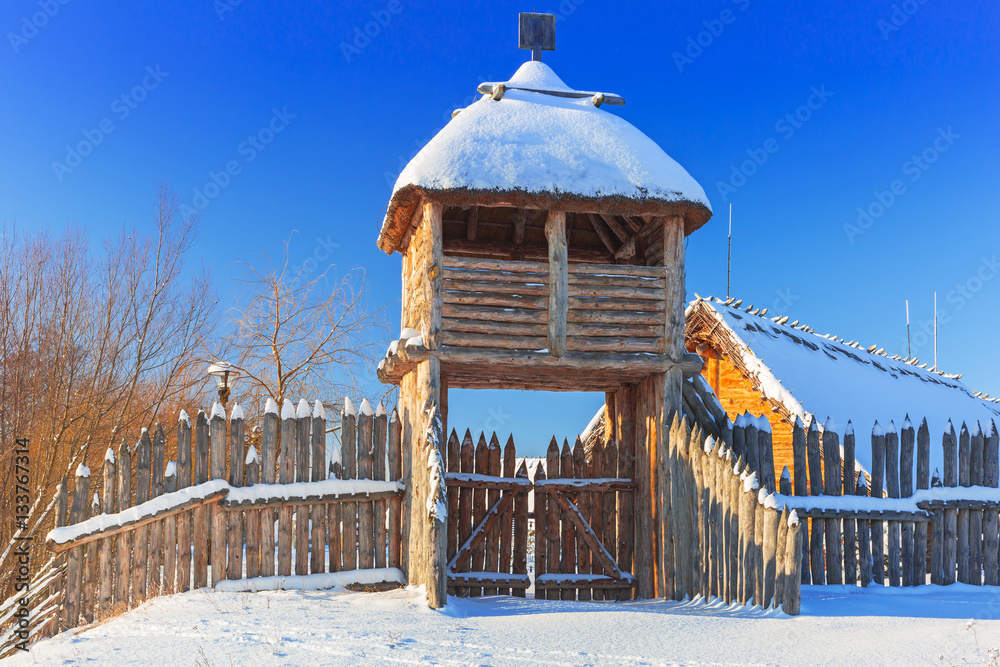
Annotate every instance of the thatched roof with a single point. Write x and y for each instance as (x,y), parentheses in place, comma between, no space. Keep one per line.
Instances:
(802,373)
(536,150)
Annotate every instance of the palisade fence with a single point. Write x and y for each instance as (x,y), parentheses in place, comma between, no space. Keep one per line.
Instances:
(729,537)
(893,525)
(156,528)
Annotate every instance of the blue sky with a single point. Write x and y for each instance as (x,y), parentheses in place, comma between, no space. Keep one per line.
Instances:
(798,114)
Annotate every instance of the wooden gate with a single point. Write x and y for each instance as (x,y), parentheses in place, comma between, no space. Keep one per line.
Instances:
(582,516)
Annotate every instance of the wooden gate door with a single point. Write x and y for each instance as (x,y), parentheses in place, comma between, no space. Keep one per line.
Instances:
(583,521)
(487,518)
(583,525)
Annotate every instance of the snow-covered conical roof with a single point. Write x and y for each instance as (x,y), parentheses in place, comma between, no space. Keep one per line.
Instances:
(538,150)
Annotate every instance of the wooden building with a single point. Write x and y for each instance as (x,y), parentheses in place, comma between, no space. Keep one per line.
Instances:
(542,244)
(761,363)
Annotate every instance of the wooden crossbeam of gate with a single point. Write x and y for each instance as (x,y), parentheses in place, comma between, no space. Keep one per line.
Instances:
(481,532)
(604,558)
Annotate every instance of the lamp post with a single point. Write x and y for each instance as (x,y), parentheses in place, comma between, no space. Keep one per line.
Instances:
(224,376)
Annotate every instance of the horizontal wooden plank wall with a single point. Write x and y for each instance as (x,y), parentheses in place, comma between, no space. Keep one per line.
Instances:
(489,303)
(118,571)
(616,308)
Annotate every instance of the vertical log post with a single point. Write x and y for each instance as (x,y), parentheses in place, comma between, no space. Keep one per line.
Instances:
(253,517)
(507,521)
(907,440)
(964,479)
(949,539)
(201,514)
(268,475)
(864,538)
(976,470)
(991,524)
(793,587)
(492,498)
(817,566)
(123,555)
(568,532)
(74,562)
(850,525)
(170,533)
(286,476)
(520,565)
(878,477)
(184,520)
(143,456)
(625,416)
(553,552)
(833,486)
(479,509)
(467,464)
(317,444)
(454,466)
(90,596)
(555,235)
(923,482)
(106,577)
(237,461)
(541,519)
(217,470)
(584,502)
(349,511)
(302,513)
(892,486)
(157,486)
(801,468)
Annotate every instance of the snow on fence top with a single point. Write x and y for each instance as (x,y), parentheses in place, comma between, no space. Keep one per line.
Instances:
(803,373)
(527,143)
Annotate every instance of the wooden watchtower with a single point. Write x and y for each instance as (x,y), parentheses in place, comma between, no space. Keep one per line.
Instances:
(543,248)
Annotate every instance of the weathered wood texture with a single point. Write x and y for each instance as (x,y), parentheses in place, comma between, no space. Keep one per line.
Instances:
(113,567)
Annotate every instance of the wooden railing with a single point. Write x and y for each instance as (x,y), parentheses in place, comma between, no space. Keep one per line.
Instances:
(172,536)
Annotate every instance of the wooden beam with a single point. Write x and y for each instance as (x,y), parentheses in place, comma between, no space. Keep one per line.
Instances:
(555,233)
(505,250)
(520,218)
(602,233)
(615,227)
(472,224)
(98,534)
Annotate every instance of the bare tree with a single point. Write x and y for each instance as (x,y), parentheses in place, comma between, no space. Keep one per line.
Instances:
(297,335)
(94,345)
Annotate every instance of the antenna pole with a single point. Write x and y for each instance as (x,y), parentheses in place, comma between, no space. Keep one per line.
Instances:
(935,330)
(909,353)
(729,258)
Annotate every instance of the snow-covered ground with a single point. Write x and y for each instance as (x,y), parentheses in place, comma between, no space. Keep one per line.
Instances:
(838,626)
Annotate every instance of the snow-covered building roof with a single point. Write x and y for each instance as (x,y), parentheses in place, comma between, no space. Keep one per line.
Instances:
(802,373)
(555,150)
